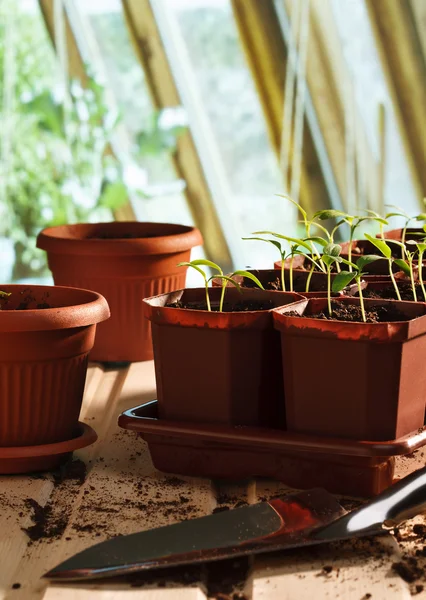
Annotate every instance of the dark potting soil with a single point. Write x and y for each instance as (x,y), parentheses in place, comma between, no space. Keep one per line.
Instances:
(389,293)
(244,306)
(352,313)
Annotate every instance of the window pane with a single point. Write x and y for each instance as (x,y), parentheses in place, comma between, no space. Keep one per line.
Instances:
(370,90)
(226,93)
(103,36)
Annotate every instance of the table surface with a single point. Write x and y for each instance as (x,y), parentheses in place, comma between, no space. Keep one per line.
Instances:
(123,493)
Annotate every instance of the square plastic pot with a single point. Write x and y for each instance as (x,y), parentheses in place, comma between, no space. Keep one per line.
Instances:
(354,380)
(218,367)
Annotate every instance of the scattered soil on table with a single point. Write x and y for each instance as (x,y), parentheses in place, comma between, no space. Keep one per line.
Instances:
(352,313)
(244,306)
(412,566)
(389,293)
(51,520)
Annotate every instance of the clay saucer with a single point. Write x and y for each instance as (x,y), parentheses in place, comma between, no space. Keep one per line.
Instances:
(28,459)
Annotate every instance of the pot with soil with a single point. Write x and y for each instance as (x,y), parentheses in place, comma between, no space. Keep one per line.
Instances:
(272,281)
(350,379)
(46,335)
(411,233)
(218,367)
(302,265)
(125,262)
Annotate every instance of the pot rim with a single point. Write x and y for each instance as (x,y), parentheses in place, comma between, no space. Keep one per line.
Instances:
(86,308)
(395,331)
(73,239)
(156,311)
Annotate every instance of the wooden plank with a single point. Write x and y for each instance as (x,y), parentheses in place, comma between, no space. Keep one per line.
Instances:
(404,66)
(150,51)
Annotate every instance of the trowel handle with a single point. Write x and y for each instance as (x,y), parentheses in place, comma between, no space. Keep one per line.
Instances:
(404,499)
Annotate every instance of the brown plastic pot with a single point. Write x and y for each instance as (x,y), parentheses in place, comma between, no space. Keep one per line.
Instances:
(341,466)
(301,265)
(43,361)
(125,262)
(266,276)
(411,234)
(355,380)
(218,367)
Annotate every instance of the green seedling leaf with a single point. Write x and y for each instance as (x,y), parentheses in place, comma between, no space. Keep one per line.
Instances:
(249,276)
(299,208)
(349,263)
(329,260)
(363,261)
(288,239)
(5,294)
(403,266)
(225,278)
(317,240)
(274,242)
(421,246)
(329,213)
(420,217)
(380,245)
(188,264)
(206,263)
(341,280)
(332,250)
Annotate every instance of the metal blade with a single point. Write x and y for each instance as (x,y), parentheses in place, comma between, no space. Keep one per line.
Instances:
(245,530)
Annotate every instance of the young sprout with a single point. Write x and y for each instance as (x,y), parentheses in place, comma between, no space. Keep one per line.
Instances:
(352,221)
(408,257)
(196,264)
(385,249)
(294,244)
(344,278)
(399,212)
(421,248)
(306,222)
(4,295)
(282,252)
(330,256)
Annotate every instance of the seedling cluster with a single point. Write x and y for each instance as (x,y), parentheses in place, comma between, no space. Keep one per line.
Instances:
(324,254)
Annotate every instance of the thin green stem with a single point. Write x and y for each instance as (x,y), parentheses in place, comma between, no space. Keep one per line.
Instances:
(282,274)
(404,232)
(291,272)
(413,284)
(361,299)
(350,249)
(421,275)
(329,289)
(209,308)
(222,295)
(308,281)
(398,295)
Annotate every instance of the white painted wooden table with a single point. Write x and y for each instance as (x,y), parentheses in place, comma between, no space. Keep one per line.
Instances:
(121,481)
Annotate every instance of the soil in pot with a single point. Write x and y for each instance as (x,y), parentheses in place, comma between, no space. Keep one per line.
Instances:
(387,292)
(242,306)
(366,380)
(125,262)
(352,312)
(43,361)
(218,367)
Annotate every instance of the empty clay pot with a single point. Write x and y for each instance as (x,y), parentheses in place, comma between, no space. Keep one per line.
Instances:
(125,262)
(218,367)
(363,381)
(46,335)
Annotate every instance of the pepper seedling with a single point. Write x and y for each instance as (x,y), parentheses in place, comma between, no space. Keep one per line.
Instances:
(196,264)
(353,221)
(344,278)
(330,256)
(399,212)
(385,249)
(294,243)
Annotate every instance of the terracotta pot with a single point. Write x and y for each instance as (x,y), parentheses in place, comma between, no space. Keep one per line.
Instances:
(125,262)
(218,367)
(301,265)
(43,361)
(341,466)
(411,234)
(267,276)
(356,380)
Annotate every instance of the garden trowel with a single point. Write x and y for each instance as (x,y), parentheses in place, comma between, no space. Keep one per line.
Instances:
(304,519)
